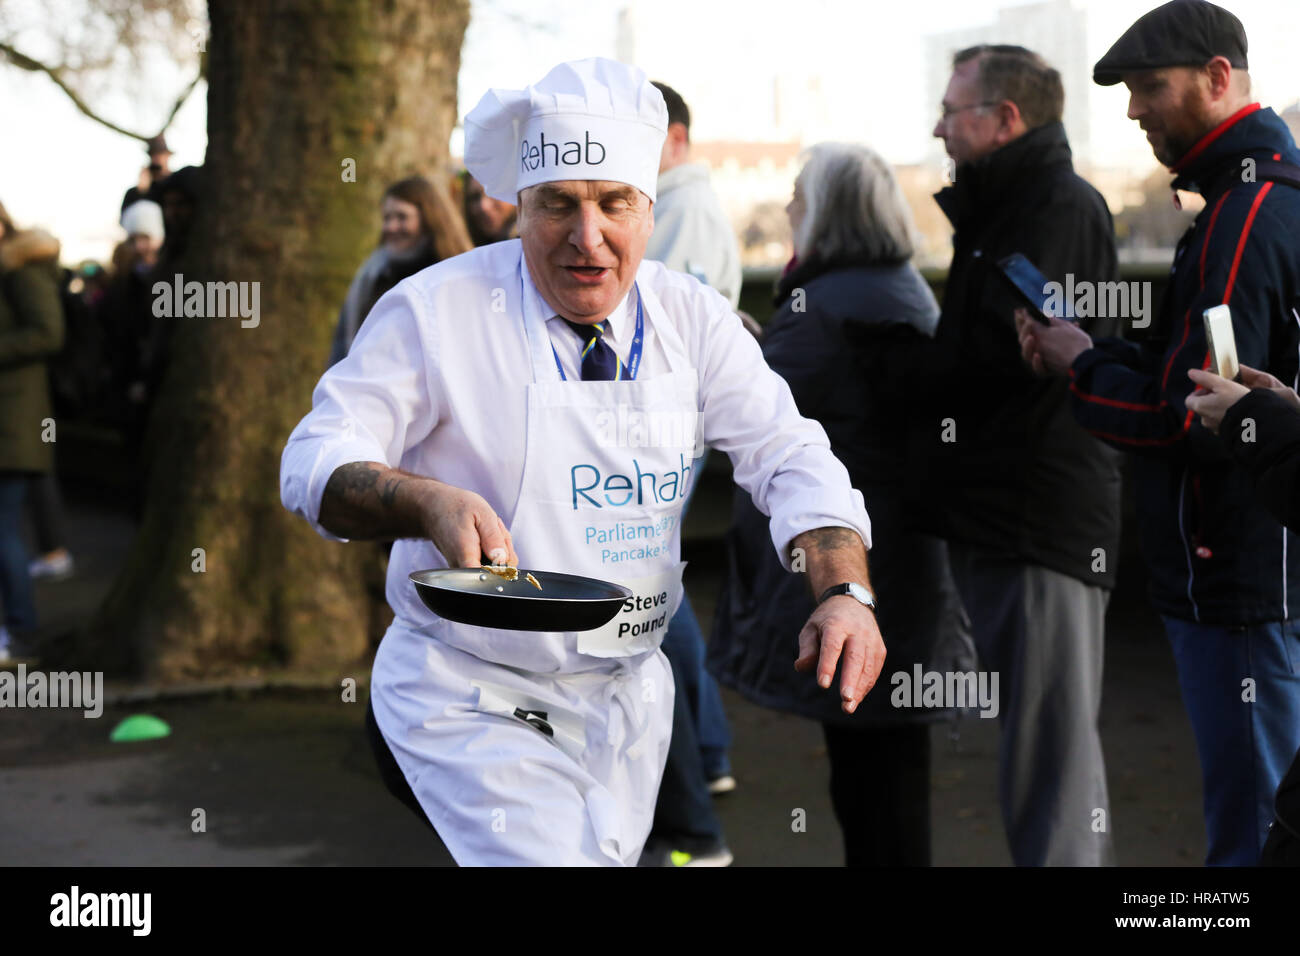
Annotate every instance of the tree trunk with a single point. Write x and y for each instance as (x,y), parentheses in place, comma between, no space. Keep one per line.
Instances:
(296,89)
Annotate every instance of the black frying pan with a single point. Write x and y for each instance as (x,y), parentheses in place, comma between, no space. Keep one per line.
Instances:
(565,603)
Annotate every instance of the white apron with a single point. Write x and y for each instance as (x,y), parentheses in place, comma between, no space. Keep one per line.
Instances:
(548,748)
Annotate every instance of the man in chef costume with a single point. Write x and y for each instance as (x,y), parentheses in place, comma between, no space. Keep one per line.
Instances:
(489,410)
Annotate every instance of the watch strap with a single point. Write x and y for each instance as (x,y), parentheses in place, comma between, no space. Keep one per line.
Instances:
(846,588)
(832,591)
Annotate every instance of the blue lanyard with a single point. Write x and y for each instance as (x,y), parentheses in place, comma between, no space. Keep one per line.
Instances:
(634,356)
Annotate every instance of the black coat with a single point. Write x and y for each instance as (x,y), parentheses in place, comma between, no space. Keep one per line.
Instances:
(1008,468)
(1268,449)
(1214,552)
(847,359)
(1262,432)
(135,346)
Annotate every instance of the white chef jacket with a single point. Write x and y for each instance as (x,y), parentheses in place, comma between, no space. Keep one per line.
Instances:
(435,384)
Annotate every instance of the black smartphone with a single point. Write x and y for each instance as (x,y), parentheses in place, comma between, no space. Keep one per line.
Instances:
(1029,284)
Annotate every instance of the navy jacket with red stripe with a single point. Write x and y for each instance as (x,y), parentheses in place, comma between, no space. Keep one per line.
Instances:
(1215,553)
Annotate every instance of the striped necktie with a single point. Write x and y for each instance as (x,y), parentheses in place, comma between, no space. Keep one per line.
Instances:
(599,363)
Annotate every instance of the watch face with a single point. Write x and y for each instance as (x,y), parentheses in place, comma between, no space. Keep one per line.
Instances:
(862,594)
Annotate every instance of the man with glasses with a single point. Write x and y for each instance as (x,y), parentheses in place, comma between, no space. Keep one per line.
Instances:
(1028,502)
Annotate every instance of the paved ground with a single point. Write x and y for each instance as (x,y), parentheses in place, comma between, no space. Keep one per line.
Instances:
(285,777)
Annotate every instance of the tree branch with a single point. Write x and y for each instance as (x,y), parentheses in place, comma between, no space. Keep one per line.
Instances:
(25,62)
(180,101)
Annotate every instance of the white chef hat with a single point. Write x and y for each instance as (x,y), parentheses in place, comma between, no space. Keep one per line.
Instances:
(589,119)
(143,217)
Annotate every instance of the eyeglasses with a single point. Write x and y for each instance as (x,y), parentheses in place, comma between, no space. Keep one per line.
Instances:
(946,111)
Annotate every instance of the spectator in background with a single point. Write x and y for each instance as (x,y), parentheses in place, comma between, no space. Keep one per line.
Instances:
(152,176)
(488,220)
(692,234)
(1224,574)
(79,374)
(90,346)
(1259,423)
(420,227)
(1028,502)
(31,330)
(127,322)
(850,316)
(131,336)
(179,195)
(145,233)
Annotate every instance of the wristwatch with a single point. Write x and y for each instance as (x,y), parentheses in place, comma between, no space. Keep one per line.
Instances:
(855,591)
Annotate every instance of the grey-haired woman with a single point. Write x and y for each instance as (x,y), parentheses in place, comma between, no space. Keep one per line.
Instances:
(852,313)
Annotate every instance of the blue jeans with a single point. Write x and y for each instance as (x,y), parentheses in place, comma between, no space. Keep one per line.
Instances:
(16,594)
(697,752)
(684,807)
(1241,688)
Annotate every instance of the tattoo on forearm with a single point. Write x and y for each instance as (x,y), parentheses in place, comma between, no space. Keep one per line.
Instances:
(361,501)
(351,481)
(830,539)
(830,556)
(389,495)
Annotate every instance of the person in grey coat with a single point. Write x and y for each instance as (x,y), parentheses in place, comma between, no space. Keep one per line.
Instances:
(852,311)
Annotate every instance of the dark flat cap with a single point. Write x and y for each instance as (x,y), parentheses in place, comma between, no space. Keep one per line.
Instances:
(157,145)
(1180,33)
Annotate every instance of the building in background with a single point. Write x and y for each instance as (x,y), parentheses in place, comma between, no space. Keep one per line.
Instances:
(785,109)
(754,181)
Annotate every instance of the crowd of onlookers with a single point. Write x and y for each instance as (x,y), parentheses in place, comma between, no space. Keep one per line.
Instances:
(84,344)
(78,344)
(987,444)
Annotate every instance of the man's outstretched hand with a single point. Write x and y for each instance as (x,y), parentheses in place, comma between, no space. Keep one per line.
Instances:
(840,630)
(843,631)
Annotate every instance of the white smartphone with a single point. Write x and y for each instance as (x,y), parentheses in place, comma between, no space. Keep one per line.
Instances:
(1222,343)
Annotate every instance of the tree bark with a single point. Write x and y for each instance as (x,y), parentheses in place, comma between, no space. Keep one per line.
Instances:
(296,88)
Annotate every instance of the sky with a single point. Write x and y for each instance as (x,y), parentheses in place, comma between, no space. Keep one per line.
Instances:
(62,171)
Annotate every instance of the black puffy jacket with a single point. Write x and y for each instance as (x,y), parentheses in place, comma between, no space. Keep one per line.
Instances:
(1006,467)
(1262,432)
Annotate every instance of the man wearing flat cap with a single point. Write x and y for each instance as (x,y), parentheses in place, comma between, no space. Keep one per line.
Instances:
(152,176)
(1225,576)
(513,405)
